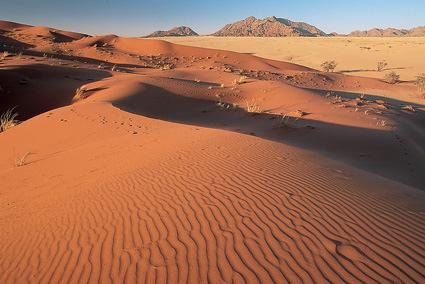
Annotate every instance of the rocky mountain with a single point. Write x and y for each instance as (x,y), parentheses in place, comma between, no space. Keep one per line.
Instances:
(389,32)
(269,27)
(178,31)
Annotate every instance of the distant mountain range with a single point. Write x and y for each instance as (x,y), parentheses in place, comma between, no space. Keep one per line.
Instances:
(279,27)
(390,32)
(178,31)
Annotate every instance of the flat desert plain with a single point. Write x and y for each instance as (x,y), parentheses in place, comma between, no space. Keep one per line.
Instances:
(140,160)
(354,55)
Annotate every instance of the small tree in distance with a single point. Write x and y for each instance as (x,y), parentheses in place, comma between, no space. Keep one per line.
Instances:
(381,65)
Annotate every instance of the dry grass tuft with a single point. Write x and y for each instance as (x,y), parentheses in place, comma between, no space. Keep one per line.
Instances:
(334,97)
(420,83)
(240,80)
(223,105)
(285,120)
(4,55)
(329,66)
(167,67)
(80,93)
(21,161)
(296,114)
(253,107)
(8,120)
(381,123)
(408,108)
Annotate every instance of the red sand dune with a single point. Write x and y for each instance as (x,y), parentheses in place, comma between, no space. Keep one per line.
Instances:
(156,172)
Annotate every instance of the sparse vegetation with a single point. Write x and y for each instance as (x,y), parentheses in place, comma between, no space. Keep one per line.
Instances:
(80,93)
(381,123)
(240,80)
(334,97)
(408,108)
(21,161)
(293,116)
(253,107)
(297,114)
(381,65)
(328,66)
(284,120)
(167,67)
(4,55)
(223,105)
(392,77)
(8,120)
(420,83)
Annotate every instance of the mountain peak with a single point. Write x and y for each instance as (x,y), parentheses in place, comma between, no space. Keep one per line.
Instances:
(271,19)
(177,31)
(269,27)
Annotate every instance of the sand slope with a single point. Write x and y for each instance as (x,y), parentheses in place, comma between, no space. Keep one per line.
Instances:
(140,163)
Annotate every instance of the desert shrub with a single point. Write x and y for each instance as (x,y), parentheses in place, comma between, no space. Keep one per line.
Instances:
(8,120)
(420,83)
(328,66)
(392,77)
(381,65)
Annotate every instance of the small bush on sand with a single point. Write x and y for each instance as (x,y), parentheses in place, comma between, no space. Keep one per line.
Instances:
(7,120)
(420,83)
(392,77)
(328,66)
(381,65)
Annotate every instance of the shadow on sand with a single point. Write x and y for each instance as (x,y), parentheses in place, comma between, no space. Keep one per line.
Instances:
(37,88)
(373,150)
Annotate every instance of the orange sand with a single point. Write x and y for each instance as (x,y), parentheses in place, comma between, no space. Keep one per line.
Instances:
(156,172)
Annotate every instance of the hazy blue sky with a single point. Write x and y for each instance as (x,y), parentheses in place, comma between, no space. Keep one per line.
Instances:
(136,18)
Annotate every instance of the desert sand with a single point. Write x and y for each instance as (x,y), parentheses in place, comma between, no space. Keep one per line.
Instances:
(354,56)
(140,160)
